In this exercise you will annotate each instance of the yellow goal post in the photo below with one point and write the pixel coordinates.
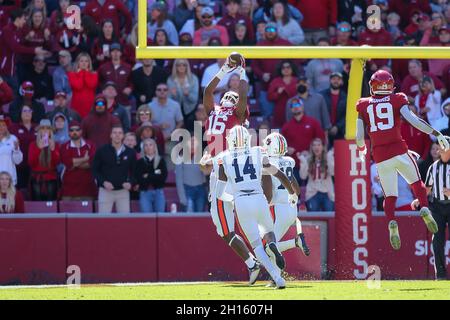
(358, 56)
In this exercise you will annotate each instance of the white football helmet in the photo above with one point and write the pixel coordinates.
(229, 99)
(275, 144)
(238, 137)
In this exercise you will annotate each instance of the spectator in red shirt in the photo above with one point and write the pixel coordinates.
(77, 155)
(6, 94)
(208, 30)
(11, 199)
(233, 17)
(413, 25)
(83, 81)
(36, 34)
(376, 37)
(281, 89)
(406, 8)
(12, 44)
(5, 11)
(114, 10)
(410, 85)
(101, 52)
(118, 72)
(58, 17)
(299, 132)
(98, 124)
(26, 97)
(26, 134)
(437, 66)
(416, 140)
(264, 69)
(43, 158)
(343, 35)
(319, 18)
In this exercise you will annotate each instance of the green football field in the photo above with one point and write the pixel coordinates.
(307, 290)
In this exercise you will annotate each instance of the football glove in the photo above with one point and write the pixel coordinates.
(443, 142)
(362, 153)
(293, 199)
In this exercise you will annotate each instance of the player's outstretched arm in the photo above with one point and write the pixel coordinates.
(243, 90)
(360, 142)
(221, 182)
(208, 94)
(421, 125)
(274, 171)
(295, 186)
(360, 129)
(266, 182)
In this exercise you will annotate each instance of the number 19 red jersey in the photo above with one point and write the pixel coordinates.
(381, 115)
(220, 120)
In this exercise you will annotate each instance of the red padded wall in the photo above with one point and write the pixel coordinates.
(32, 251)
(113, 249)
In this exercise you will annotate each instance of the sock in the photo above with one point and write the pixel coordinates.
(250, 262)
(265, 261)
(286, 245)
(420, 192)
(272, 259)
(298, 226)
(389, 207)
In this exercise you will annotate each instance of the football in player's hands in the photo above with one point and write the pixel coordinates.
(236, 59)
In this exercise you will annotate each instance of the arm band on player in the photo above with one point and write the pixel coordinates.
(415, 121)
(360, 134)
(220, 188)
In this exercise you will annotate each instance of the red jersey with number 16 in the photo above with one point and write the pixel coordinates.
(381, 115)
(220, 120)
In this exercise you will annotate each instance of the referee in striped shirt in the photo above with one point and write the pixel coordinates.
(438, 186)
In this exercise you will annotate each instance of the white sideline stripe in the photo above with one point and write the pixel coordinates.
(122, 284)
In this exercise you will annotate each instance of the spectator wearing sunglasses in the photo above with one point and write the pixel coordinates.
(98, 123)
(209, 30)
(77, 155)
(166, 112)
(343, 35)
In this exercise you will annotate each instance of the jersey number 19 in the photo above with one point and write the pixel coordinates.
(382, 118)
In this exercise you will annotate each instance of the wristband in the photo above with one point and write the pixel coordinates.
(220, 74)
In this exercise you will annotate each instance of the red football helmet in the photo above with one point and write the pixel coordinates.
(381, 83)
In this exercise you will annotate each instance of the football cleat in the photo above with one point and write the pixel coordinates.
(254, 272)
(301, 243)
(280, 283)
(429, 220)
(394, 236)
(278, 256)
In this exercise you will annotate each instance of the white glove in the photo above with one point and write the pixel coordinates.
(293, 199)
(362, 153)
(241, 72)
(205, 159)
(443, 142)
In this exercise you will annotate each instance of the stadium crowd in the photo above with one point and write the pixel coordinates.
(82, 119)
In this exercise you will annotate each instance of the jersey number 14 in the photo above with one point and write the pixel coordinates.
(382, 118)
(248, 169)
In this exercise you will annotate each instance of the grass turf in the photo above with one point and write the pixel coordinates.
(304, 290)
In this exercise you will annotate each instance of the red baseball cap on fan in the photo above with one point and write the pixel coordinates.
(26, 89)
